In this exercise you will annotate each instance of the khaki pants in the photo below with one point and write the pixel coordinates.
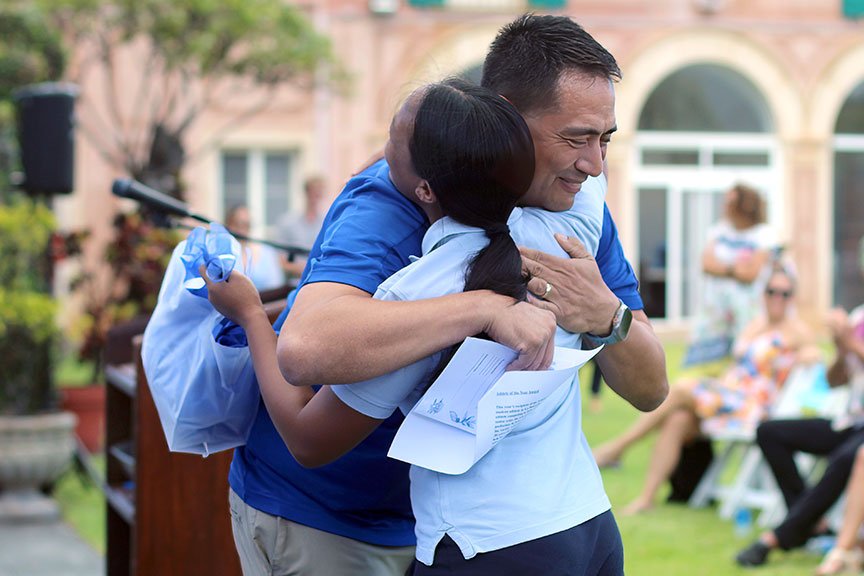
(269, 545)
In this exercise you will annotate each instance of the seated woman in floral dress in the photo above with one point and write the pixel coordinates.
(764, 354)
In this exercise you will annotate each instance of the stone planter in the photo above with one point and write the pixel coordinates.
(88, 404)
(34, 452)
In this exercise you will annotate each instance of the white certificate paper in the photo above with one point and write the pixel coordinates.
(475, 403)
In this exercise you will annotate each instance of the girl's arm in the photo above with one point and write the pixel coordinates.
(316, 428)
(712, 265)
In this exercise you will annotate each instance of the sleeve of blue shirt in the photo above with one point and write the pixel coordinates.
(368, 235)
(614, 267)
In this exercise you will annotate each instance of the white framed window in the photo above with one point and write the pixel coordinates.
(680, 198)
(261, 179)
(702, 129)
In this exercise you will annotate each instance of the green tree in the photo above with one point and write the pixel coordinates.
(189, 56)
(194, 54)
(31, 51)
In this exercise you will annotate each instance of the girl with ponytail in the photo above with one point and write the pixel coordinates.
(466, 157)
(477, 175)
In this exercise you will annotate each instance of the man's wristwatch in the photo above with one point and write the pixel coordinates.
(620, 326)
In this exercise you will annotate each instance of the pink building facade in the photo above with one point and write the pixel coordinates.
(767, 92)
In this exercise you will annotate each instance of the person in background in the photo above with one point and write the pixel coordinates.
(261, 263)
(596, 403)
(837, 439)
(764, 354)
(300, 229)
(738, 247)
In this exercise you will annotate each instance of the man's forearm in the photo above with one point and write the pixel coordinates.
(636, 368)
(337, 334)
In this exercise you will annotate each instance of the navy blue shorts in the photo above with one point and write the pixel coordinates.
(593, 548)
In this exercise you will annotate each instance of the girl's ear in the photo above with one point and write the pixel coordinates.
(424, 193)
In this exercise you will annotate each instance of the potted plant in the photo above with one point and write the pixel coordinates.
(36, 439)
(117, 307)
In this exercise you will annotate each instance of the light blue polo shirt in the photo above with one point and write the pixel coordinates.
(539, 480)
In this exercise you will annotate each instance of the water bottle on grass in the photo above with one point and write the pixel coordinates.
(743, 522)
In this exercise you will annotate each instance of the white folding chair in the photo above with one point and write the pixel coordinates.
(711, 487)
(753, 485)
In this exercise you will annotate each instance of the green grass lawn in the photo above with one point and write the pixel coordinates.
(671, 540)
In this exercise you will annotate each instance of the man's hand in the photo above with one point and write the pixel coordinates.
(578, 297)
(528, 330)
(235, 298)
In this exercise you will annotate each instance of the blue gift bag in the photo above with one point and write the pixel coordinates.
(205, 391)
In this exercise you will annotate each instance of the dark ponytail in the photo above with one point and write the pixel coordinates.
(476, 152)
(498, 267)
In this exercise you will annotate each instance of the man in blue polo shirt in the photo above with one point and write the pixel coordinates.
(353, 516)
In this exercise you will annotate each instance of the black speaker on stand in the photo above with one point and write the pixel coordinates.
(46, 137)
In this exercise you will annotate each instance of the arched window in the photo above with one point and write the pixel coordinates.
(705, 98)
(851, 117)
(703, 128)
(849, 201)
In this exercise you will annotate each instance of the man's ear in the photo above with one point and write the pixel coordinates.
(424, 194)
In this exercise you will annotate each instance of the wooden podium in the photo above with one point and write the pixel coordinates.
(167, 513)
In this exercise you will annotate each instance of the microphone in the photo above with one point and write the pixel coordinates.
(134, 190)
(161, 202)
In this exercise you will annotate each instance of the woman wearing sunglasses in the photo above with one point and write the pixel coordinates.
(764, 354)
(837, 439)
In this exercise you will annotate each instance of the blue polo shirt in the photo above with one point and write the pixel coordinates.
(368, 234)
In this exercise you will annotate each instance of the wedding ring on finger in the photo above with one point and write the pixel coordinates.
(548, 291)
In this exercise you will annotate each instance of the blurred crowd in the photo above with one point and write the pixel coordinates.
(750, 318)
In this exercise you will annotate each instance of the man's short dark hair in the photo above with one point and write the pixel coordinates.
(529, 55)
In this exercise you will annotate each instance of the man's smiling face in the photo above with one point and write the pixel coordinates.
(570, 139)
